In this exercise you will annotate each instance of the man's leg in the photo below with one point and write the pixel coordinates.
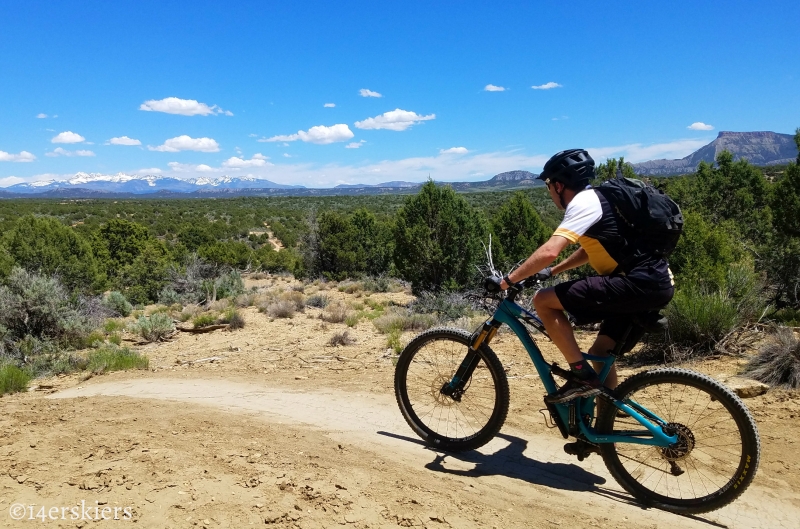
(602, 346)
(585, 382)
(550, 310)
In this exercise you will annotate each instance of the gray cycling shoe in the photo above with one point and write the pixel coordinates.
(575, 388)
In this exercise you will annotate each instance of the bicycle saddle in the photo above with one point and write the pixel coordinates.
(651, 322)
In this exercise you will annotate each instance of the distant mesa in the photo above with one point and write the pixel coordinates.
(514, 176)
(758, 148)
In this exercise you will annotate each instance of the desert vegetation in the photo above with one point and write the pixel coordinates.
(79, 274)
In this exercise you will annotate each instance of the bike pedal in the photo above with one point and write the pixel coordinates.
(581, 449)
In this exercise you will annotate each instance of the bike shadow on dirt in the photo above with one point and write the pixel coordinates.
(511, 461)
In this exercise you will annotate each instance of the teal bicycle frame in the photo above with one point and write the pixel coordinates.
(509, 312)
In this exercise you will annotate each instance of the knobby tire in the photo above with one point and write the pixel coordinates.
(430, 360)
(725, 446)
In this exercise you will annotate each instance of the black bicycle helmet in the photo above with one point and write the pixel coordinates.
(574, 168)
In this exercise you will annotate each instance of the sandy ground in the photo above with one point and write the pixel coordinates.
(285, 431)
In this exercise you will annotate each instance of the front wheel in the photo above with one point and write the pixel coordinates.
(718, 447)
(464, 420)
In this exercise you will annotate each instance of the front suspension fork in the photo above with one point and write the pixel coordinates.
(455, 387)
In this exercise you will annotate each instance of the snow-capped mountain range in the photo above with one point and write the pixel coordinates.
(144, 184)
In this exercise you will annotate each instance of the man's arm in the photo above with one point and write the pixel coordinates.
(575, 260)
(541, 258)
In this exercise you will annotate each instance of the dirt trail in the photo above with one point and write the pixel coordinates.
(528, 470)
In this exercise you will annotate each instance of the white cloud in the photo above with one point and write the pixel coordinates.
(394, 120)
(186, 143)
(151, 170)
(257, 160)
(41, 116)
(699, 125)
(123, 140)
(189, 168)
(355, 144)
(364, 92)
(23, 156)
(546, 86)
(493, 88)
(287, 155)
(329, 105)
(320, 135)
(58, 151)
(183, 107)
(68, 137)
(454, 150)
(637, 152)
(10, 181)
(253, 135)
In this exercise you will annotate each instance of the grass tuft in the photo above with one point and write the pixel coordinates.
(113, 358)
(13, 379)
(341, 338)
(778, 362)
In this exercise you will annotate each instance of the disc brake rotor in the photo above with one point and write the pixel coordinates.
(436, 391)
(685, 443)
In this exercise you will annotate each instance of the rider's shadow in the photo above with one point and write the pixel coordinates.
(510, 461)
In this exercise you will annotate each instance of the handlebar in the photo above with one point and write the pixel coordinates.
(517, 288)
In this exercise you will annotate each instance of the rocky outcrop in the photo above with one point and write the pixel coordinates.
(758, 148)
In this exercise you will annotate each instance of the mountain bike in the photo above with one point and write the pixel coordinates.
(673, 438)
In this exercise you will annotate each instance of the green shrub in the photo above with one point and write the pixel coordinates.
(319, 301)
(44, 358)
(229, 284)
(39, 307)
(49, 247)
(295, 298)
(335, 313)
(13, 379)
(376, 284)
(233, 318)
(112, 326)
(778, 361)
(116, 339)
(350, 287)
(447, 306)
(95, 339)
(203, 320)
(402, 320)
(114, 358)
(115, 301)
(518, 231)
(438, 239)
(279, 309)
(352, 319)
(700, 317)
(788, 316)
(393, 341)
(155, 327)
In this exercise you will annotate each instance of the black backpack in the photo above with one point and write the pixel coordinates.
(650, 220)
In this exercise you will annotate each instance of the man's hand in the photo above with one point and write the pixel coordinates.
(547, 273)
(492, 284)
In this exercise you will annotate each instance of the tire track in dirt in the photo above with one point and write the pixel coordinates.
(507, 466)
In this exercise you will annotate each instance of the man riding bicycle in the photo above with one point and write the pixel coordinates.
(625, 287)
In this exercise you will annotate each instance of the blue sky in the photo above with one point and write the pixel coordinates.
(202, 89)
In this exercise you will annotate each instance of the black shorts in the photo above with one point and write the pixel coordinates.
(612, 300)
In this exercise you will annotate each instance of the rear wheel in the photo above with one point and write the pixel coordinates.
(718, 447)
(465, 420)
